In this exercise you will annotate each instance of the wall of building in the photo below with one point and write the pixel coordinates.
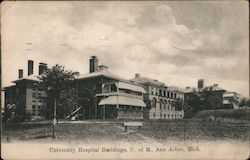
(29, 108)
(164, 111)
(94, 85)
(129, 114)
(160, 102)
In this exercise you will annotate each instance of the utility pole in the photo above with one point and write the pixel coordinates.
(54, 122)
(54, 115)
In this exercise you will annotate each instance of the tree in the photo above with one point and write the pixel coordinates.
(178, 104)
(203, 99)
(193, 101)
(56, 81)
(67, 102)
(86, 99)
(244, 102)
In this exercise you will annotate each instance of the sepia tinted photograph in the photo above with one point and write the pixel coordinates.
(125, 80)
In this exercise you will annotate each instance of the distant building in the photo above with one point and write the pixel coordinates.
(216, 97)
(24, 94)
(160, 99)
(231, 100)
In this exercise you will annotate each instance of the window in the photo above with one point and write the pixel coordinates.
(33, 110)
(160, 92)
(160, 104)
(154, 102)
(168, 94)
(171, 94)
(154, 115)
(164, 116)
(160, 115)
(113, 88)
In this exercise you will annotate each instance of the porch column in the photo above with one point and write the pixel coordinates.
(95, 107)
(104, 111)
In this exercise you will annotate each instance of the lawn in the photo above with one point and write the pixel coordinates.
(113, 132)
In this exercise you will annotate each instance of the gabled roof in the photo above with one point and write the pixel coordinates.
(104, 73)
(13, 85)
(144, 80)
(216, 88)
(231, 94)
(174, 88)
(213, 88)
(188, 90)
(29, 78)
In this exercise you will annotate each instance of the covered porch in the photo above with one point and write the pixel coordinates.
(121, 107)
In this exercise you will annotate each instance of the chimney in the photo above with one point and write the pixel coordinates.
(20, 73)
(200, 83)
(137, 75)
(102, 68)
(215, 85)
(30, 67)
(93, 64)
(42, 68)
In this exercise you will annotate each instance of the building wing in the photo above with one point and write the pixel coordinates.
(122, 100)
(131, 87)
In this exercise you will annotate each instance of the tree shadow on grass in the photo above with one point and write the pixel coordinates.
(42, 137)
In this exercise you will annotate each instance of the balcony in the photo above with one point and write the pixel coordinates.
(119, 94)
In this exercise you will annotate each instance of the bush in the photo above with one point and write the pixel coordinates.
(22, 117)
(222, 114)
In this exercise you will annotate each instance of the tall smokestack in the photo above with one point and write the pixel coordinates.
(200, 83)
(42, 68)
(93, 64)
(20, 73)
(30, 67)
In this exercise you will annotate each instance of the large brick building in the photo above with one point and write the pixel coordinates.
(24, 95)
(114, 97)
(160, 99)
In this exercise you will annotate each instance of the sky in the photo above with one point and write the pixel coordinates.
(175, 42)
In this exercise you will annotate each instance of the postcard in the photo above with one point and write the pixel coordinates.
(125, 80)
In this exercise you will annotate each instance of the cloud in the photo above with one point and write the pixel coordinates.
(168, 41)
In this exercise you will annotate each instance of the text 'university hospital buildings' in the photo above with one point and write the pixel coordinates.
(114, 97)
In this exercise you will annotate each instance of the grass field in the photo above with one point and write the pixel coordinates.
(110, 132)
